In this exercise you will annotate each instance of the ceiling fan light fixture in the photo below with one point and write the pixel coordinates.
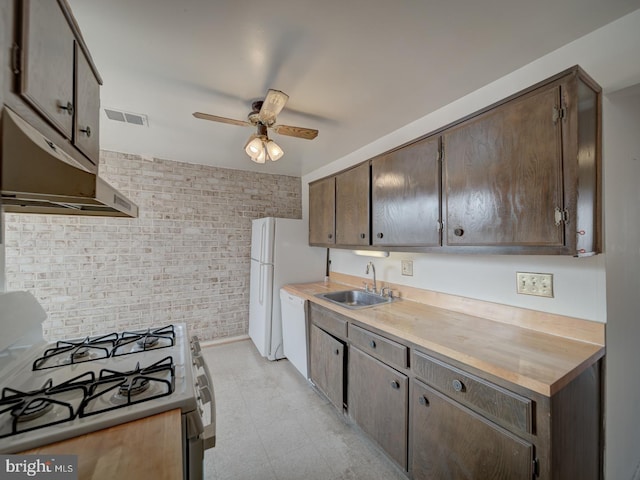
(274, 150)
(254, 146)
(261, 157)
(263, 116)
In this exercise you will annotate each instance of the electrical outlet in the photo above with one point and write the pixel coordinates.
(407, 268)
(539, 284)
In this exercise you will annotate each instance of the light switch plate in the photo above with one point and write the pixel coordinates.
(407, 268)
(539, 284)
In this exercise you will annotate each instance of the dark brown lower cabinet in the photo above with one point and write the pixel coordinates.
(378, 401)
(327, 365)
(450, 442)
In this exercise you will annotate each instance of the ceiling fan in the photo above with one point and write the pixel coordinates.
(263, 116)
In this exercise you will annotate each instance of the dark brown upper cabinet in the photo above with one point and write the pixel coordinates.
(322, 212)
(522, 176)
(86, 134)
(513, 175)
(352, 206)
(503, 175)
(405, 196)
(57, 77)
(47, 80)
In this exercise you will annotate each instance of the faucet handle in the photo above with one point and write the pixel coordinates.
(389, 292)
(366, 287)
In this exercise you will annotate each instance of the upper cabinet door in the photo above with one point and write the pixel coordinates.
(86, 132)
(47, 82)
(503, 175)
(322, 208)
(405, 194)
(352, 206)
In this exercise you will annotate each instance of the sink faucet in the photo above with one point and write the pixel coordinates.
(373, 267)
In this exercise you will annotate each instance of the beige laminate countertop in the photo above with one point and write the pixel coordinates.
(146, 448)
(535, 360)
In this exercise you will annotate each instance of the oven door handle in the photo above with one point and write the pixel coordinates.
(206, 391)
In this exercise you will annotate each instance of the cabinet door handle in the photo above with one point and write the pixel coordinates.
(330, 236)
(423, 401)
(86, 131)
(372, 344)
(363, 235)
(337, 351)
(395, 385)
(380, 235)
(68, 107)
(458, 232)
(458, 386)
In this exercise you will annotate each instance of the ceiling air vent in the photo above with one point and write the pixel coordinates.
(127, 117)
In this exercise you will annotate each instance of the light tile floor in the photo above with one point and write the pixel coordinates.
(272, 425)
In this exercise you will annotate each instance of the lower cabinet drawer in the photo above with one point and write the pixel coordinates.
(388, 351)
(498, 403)
(329, 321)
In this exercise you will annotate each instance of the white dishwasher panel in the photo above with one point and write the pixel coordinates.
(294, 330)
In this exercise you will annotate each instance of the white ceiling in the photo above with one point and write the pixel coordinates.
(354, 69)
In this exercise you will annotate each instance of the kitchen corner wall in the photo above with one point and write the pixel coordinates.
(184, 259)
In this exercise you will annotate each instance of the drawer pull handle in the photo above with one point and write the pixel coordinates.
(372, 344)
(423, 401)
(458, 386)
(68, 107)
(395, 385)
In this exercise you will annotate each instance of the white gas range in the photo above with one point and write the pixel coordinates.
(51, 392)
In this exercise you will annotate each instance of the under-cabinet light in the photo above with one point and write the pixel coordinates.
(371, 253)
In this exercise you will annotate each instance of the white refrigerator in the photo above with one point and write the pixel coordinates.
(279, 255)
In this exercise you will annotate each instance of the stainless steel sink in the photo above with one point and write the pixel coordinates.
(355, 298)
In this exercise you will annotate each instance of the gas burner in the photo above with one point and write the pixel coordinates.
(32, 410)
(79, 354)
(148, 341)
(52, 404)
(133, 387)
(70, 352)
(115, 389)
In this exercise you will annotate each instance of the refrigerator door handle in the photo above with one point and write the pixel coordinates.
(261, 285)
(263, 234)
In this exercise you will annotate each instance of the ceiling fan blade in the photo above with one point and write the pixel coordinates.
(215, 118)
(306, 133)
(272, 105)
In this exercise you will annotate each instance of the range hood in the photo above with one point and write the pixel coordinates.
(37, 176)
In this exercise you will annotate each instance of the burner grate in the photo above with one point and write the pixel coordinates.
(115, 389)
(152, 339)
(105, 346)
(28, 410)
(69, 352)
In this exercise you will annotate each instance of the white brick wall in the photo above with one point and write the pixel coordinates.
(184, 259)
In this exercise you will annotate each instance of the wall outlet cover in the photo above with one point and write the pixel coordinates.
(538, 284)
(407, 268)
